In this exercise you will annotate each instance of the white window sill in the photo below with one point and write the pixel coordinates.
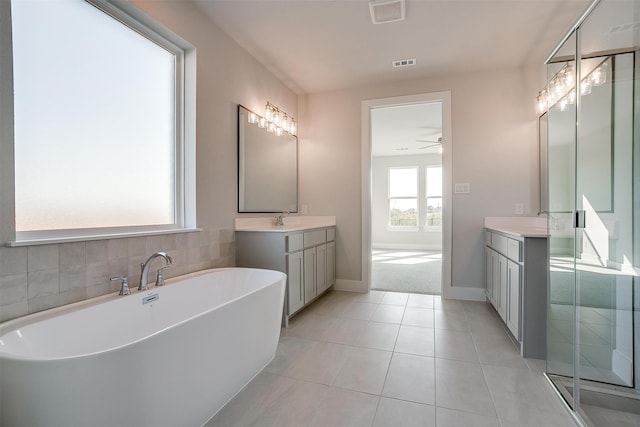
(85, 237)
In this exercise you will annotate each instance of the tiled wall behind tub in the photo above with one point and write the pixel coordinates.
(35, 278)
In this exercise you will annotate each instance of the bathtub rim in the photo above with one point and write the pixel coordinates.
(15, 324)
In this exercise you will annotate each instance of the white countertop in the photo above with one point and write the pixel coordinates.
(521, 226)
(291, 223)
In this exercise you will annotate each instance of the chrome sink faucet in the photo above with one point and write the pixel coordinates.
(280, 218)
(145, 268)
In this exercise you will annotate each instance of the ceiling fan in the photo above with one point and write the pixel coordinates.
(433, 143)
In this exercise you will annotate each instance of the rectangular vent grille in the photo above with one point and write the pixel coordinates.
(384, 11)
(401, 63)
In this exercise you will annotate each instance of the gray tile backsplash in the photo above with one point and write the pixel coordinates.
(44, 257)
(13, 261)
(40, 277)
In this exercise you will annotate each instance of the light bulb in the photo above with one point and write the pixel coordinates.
(268, 112)
(253, 117)
(571, 97)
(562, 105)
(279, 131)
(541, 102)
(603, 69)
(285, 123)
(262, 123)
(271, 127)
(585, 87)
(293, 127)
(277, 119)
(596, 76)
(568, 77)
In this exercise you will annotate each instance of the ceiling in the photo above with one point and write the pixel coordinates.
(406, 129)
(325, 45)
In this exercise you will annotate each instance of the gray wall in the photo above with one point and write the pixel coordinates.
(494, 143)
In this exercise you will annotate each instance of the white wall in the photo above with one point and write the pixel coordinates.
(494, 143)
(381, 235)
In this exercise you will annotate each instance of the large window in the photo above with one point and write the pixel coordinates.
(98, 113)
(403, 197)
(434, 196)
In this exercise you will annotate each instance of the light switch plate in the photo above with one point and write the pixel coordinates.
(462, 188)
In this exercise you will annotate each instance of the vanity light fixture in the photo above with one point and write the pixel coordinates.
(274, 120)
(253, 117)
(560, 90)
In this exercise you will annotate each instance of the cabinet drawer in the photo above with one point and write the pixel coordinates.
(313, 238)
(499, 243)
(331, 234)
(487, 238)
(514, 250)
(295, 242)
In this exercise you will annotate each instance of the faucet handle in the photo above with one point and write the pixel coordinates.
(160, 277)
(124, 288)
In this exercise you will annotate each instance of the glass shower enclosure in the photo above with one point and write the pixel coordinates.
(593, 195)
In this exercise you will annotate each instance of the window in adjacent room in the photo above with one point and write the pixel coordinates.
(403, 197)
(434, 196)
(98, 106)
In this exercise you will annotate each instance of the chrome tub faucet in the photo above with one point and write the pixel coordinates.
(145, 269)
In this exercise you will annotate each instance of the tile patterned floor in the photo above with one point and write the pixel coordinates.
(391, 359)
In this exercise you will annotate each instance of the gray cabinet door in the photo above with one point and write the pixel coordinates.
(321, 269)
(295, 282)
(513, 303)
(488, 260)
(309, 267)
(502, 286)
(495, 279)
(331, 264)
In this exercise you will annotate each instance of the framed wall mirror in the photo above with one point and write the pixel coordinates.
(267, 168)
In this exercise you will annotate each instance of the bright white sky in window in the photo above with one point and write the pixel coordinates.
(403, 182)
(434, 181)
(94, 120)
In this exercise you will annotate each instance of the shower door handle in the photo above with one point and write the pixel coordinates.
(579, 220)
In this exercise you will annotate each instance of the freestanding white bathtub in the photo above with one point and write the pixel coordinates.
(114, 361)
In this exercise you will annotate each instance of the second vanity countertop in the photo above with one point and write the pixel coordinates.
(291, 223)
(521, 226)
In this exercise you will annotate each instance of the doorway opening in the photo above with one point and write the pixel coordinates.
(406, 165)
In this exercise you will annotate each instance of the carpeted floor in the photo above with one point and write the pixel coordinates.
(406, 271)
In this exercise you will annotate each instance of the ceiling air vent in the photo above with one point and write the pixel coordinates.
(383, 11)
(400, 63)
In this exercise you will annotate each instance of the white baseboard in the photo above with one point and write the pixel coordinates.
(350, 285)
(464, 293)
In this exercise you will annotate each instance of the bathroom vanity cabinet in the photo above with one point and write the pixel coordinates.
(306, 256)
(516, 285)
